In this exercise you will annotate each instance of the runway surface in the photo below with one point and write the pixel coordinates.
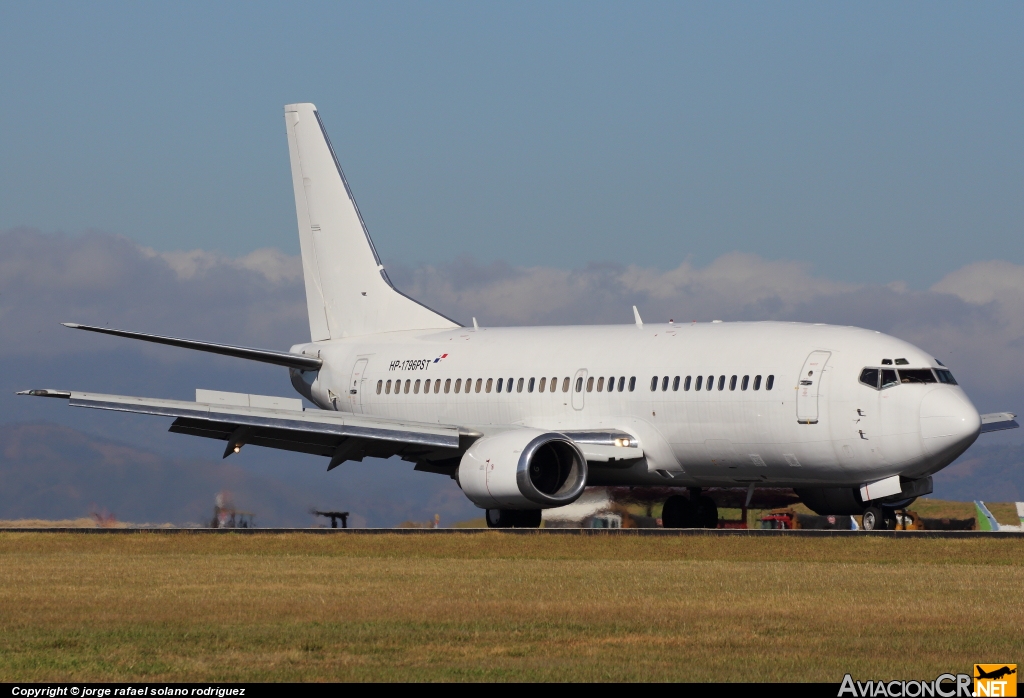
(642, 532)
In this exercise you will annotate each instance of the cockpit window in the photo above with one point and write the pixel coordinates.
(916, 375)
(945, 376)
(869, 377)
(889, 378)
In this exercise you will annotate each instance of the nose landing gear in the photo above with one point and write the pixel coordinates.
(879, 519)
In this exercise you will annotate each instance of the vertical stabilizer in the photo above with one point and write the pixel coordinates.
(348, 292)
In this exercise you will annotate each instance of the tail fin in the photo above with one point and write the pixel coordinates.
(348, 293)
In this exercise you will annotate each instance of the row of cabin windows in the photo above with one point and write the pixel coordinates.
(505, 385)
(598, 384)
(709, 384)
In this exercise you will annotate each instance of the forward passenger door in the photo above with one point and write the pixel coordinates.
(808, 387)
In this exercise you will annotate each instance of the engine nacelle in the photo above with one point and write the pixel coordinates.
(523, 469)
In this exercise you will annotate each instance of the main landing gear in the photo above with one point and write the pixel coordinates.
(879, 519)
(697, 511)
(513, 518)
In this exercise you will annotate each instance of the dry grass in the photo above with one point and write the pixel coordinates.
(491, 606)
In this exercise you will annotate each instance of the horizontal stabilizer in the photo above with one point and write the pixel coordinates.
(997, 421)
(269, 356)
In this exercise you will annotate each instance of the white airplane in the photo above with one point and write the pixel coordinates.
(523, 418)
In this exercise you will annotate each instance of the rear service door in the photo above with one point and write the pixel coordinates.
(355, 386)
(807, 388)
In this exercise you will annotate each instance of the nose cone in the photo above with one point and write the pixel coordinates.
(949, 422)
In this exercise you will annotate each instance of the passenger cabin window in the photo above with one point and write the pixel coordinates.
(554, 384)
(479, 383)
(686, 383)
(579, 384)
(721, 382)
(654, 384)
(458, 384)
(380, 385)
(700, 379)
(529, 388)
(600, 384)
(745, 383)
(945, 376)
(519, 386)
(447, 385)
(732, 383)
(757, 382)
(437, 386)
(540, 387)
(632, 383)
(565, 384)
(869, 377)
(387, 388)
(490, 384)
(675, 384)
(916, 375)
(664, 383)
(711, 383)
(769, 383)
(590, 384)
(622, 383)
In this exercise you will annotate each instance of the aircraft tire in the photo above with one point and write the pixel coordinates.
(500, 518)
(677, 512)
(706, 513)
(874, 519)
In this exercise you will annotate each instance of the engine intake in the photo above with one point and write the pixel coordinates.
(523, 469)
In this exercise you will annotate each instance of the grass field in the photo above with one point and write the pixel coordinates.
(493, 606)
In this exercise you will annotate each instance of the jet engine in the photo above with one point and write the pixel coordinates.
(523, 469)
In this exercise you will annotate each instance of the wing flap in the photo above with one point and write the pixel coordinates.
(287, 425)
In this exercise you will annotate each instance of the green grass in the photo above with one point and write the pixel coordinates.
(492, 606)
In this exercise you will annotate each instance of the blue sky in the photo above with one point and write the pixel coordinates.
(877, 142)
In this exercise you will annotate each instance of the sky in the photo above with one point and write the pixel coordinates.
(519, 163)
(877, 142)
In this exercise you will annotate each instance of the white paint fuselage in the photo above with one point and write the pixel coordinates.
(689, 437)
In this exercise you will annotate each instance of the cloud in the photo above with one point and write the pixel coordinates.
(102, 279)
(973, 319)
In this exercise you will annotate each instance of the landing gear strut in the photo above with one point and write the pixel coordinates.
(513, 518)
(697, 511)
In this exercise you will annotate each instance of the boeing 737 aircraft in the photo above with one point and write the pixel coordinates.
(523, 418)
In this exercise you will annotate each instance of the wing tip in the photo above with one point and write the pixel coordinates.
(45, 393)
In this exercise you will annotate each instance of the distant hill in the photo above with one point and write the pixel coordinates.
(49, 471)
(989, 473)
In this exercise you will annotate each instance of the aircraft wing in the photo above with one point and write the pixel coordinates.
(282, 423)
(997, 421)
